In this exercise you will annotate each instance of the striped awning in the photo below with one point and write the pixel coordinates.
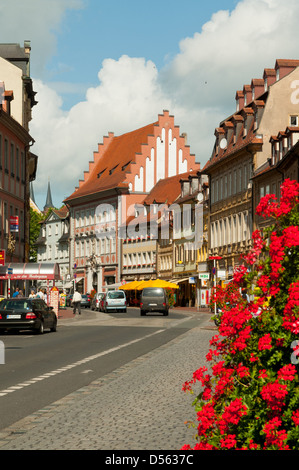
(30, 271)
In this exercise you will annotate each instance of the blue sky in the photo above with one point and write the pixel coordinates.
(100, 66)
(110, 29)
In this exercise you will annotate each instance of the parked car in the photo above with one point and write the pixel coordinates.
(95, 303)
(154, 299)
(115, 300)
(25, 313)
(85, 302)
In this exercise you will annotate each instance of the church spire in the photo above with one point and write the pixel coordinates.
(49, 203)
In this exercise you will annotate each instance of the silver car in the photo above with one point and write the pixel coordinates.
(115, 300)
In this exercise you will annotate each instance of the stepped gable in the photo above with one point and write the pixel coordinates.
(135, 161)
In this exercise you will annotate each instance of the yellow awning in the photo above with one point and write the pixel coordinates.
(157, 283)
(130, 285)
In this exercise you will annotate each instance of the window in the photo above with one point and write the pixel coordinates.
(17, 163)
(6, 155)
(12, 159)
(23, 166)
(235, 182)
(245, 181)
(293, 121)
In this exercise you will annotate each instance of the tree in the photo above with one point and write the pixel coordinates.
(34, 230)
(249, 397)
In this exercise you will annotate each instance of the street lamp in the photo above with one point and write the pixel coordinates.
(214, 259)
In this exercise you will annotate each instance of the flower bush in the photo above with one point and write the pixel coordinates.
(249, 395)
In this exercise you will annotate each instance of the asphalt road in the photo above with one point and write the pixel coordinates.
(41, 369)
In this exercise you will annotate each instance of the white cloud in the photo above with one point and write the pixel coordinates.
(37, 21)
(198, 87)
(127, 97)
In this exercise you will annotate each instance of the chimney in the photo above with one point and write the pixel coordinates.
(8, 97)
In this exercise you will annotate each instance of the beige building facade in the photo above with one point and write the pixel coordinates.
(242, 148)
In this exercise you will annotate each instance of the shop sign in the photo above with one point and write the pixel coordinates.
(221, 274)
(204, 276)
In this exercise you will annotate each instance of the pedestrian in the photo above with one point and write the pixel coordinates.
(32, 294)
(20, 294)
(76, 301)
(40, 294)
(16, 292)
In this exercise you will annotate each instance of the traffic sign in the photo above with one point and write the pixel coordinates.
(14, 223)
(9, 271)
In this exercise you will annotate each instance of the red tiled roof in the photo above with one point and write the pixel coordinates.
(287, 63)
(62, 212)
(121, 152)
(231, 148)
(167, 190)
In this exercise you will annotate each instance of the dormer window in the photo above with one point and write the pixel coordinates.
(280, 149)
(266, 83)
(273, 154)
(277, 74)
(112, 170)
(125, 166)
(100, 173)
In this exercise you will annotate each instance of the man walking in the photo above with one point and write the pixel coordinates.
(77, 302)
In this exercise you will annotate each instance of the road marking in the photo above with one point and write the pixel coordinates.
(75, 364)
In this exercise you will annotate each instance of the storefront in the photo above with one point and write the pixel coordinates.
(26, 275)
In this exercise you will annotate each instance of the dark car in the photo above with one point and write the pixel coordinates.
(25, 313)
(154, 299)
(69, 299)
(85, 301)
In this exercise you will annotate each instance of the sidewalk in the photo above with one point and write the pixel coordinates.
(139, 406)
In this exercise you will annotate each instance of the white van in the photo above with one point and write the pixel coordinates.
(115, 300)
